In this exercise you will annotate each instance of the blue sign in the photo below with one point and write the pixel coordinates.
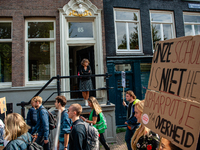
(194, 6)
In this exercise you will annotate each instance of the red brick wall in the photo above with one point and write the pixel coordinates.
(19, 10)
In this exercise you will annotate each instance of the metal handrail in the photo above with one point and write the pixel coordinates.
(23, 104)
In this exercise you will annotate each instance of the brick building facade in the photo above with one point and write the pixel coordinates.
(41, 28)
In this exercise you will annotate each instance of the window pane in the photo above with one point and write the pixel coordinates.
(133, 35)
(123, 67)
(167, 31)
(5, 62)
(5, 30)
(190, 18)
(121, 35)
(122, 15)
(40, 30)
(145, 72)
(156, 33)
(188, 30)
(161, 17)
(39, 60)
(197, 29)
(80, 29)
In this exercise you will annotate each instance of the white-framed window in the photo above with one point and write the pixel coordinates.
(162, 26)
(191, 23)
(40, 38)
(128, 35)
(5, 53)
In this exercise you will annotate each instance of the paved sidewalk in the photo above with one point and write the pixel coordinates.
(120, 144)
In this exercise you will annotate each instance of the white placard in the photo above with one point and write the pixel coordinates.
(123, 79)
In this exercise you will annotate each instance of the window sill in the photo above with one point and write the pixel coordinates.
(39, 83)
(5, 85)
(24, 88)
(129, 53)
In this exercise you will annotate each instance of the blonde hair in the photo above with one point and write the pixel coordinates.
(77, 108)
(95, 104)
(15, 126)
(142, 130)
(37, 99)
(84, 60)
(129, 92)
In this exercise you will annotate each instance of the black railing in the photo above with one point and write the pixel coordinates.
(23, 104)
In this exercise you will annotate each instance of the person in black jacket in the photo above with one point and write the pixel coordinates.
(85, 82)
(78, 135)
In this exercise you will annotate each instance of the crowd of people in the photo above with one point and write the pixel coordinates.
(73, 133)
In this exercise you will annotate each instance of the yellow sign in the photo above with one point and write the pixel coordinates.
(3, 105)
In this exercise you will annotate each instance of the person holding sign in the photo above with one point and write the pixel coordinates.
(131, 122)
(143, 138)
(85, 82)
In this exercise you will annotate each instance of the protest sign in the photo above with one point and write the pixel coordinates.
(3, 105)
(123, 74)
(173, 118)
(176, 67)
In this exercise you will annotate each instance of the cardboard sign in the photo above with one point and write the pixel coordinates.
(176, 67)
(3, 105)
(123, 79)
(173, 118)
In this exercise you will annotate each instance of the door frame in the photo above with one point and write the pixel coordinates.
(96, 41)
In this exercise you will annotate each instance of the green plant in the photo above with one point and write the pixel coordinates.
(118, 130)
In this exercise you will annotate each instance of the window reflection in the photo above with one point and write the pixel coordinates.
(123, 67)
(41, 52)
(190, 18)
(40, 30)
(123, 15)
(121, 35)
(39, 60)
(161, 17)
(191, 24)
(161, 26)
(156, 33)
(197, 29)
(133, 36)
(5, 62)
(188, 30)
(80, 29)
(167, 31)
(5, 30)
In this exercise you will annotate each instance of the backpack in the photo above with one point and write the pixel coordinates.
(92, 136)
(30, 145)
(52, 120)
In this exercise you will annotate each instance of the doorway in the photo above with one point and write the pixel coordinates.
(76, 55)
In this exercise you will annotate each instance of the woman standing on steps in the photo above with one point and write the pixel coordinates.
(85, 82)
(97, 119)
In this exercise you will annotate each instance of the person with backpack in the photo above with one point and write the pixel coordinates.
(66, 123)
(78, 135)
(32, 117)
(42, 126)
(96, 118)
(131, 122)
(15, 128)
